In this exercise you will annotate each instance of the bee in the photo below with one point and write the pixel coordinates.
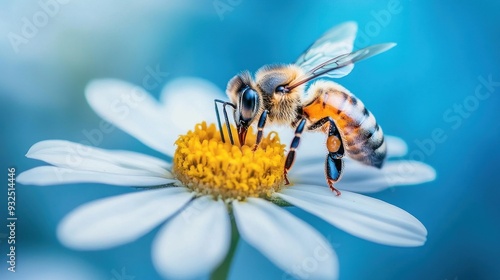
(278, 95)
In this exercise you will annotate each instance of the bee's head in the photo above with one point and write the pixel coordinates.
(241, 91)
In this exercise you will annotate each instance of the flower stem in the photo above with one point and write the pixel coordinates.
(222, 272)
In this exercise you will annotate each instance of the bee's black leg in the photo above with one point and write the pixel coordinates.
(290, 157)
(260, 128)
(334, 163)
(227, 120)
(228, 127)
(333, 170)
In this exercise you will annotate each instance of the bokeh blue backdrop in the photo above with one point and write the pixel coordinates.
(445, 49)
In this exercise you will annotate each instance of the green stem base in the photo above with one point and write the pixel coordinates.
(222, 272)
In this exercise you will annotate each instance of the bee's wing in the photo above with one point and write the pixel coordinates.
(335, 67)
(335, 42)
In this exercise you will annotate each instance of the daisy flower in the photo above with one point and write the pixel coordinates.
(211, 192)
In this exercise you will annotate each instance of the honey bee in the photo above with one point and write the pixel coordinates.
(278, 95)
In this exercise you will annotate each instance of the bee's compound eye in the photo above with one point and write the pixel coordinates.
(282, 89)
(248, 104)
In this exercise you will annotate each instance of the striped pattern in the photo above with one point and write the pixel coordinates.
(362, 137)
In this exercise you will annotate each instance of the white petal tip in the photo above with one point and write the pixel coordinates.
(428, 174)
(22, 179)
(34, 149)
(362, 216)
(396, 147)
(351, 24)
(30, 177)
(121, 219)
(410, 173)
(74, 240)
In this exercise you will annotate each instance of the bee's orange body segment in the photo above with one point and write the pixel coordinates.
(362, 136)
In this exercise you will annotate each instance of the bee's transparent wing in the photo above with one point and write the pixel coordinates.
(333, 66)
(335, 42)
(337, 64)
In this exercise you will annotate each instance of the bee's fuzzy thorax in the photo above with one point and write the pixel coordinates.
(288, 73)
(282, 107)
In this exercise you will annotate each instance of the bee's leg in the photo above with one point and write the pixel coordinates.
(228, 127)
(333, 170)
(227, 120)
(290, 157)
(260, 128)
(333, 163)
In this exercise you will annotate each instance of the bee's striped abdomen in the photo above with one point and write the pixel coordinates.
(362, 137)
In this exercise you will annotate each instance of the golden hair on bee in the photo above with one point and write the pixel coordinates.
(282, 107)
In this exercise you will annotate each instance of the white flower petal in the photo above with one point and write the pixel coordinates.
(134, 111)
(81, 157)
(51, 175)
(288, 242)
(362, 178)
(396, 147)
(313, 172)
(312, 144)
(393, 173)
(113, 221)
(195, 242)
(188, 101)
(360, 215)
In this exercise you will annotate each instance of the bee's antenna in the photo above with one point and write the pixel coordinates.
(226, 118)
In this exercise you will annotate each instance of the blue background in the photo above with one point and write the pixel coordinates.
(444, 47)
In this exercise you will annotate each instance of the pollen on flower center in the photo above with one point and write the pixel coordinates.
(206, 165)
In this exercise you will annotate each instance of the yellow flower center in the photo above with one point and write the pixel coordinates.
(206, 165)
